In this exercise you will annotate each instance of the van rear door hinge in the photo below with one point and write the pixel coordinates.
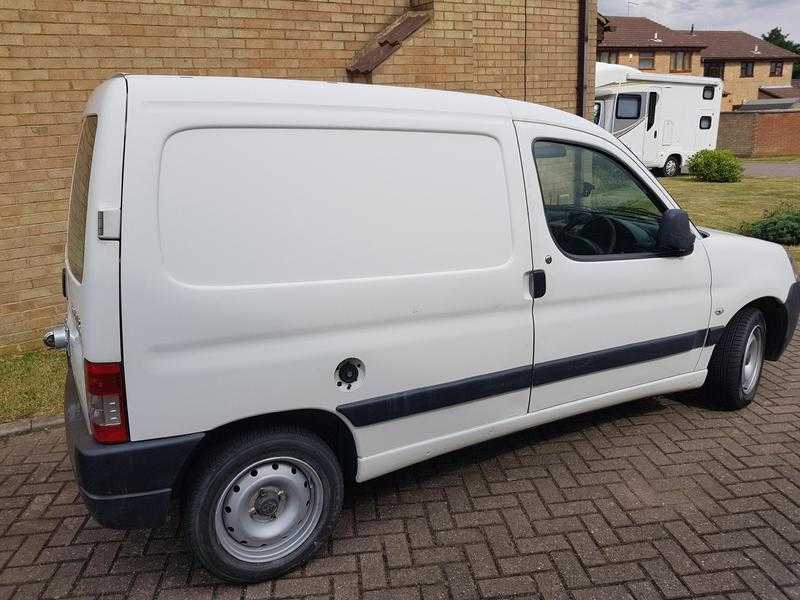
(108, 224)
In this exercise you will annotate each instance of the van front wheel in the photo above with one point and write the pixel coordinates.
(735, 367)
(263, 503)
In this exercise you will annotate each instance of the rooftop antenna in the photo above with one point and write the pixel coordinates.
(629, 6)
(692, 31)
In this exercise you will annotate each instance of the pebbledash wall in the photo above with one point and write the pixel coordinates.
(760, 133)
(54, 52)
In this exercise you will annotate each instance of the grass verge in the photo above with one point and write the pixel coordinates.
(727, 205)
(32, 384)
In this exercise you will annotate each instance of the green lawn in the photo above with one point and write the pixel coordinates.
(32, 384)
(727, 205)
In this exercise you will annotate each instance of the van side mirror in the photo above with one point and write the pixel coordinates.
(675, 237)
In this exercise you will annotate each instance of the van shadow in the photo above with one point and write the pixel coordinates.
(544, 440)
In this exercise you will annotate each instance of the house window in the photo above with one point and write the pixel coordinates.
(647, 59)
(714, 69)
(680, 61)
(609, 56)
(776, 68)
(747, 69)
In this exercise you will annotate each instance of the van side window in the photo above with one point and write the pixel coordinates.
(705, 122)
(594, 206)
(629, 106)
(651, 109)
(79, 197)
(708, 92)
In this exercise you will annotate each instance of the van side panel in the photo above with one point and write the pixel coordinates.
(274, 239)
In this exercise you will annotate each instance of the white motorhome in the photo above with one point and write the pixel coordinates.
(663, 118)
(275, 285)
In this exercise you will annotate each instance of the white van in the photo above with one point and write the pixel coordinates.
(663, 118)
(274, 286)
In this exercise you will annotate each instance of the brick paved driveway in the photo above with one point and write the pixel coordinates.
(657, 499)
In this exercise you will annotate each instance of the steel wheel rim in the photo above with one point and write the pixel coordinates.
(269, 509)
(751, 362)
(671, 167)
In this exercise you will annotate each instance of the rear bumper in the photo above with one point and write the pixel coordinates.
(124, 486)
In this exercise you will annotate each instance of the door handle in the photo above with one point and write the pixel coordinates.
(655, 133)
(538, 283)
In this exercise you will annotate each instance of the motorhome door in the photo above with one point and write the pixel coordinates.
(651, 147)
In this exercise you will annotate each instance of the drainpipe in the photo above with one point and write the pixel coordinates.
(583, 55)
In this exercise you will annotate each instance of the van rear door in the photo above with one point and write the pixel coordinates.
(91, 263)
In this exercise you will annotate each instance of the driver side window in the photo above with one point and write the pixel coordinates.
(594, 205)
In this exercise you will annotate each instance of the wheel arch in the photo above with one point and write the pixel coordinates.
(327, 425)
(777, 320)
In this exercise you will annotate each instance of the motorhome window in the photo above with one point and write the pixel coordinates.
(609, 56)
(594, 205)
(79, 197)
(680, 61)
(647, 59)
(651, 109)
(705, 122)
(708, 92)
(746, 69)
(776, 69)
(629, 106)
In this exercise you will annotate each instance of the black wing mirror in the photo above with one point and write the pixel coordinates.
(675, 237)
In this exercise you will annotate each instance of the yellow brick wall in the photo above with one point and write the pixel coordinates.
(523, 49)
(630, 58)
(54, 52)
(741, 89)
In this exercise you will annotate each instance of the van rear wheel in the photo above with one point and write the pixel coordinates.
(734, 371)
(672, 167)
(261, 504)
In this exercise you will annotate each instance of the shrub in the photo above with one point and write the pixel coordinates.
(715, 165)
(781, 225)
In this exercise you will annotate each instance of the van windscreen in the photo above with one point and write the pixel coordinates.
(79, 196)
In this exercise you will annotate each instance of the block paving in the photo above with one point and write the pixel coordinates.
(660, 498)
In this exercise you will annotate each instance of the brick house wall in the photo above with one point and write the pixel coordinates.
(760, 133)
(481, 47)
(740, 89)
(54, 52)
(630, 58)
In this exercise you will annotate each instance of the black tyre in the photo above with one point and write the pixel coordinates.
(735, 367)
(262, 503)
(672, 167)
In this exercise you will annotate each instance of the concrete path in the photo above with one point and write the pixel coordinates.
(771, 169)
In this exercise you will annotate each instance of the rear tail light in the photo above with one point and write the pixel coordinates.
(105, 395)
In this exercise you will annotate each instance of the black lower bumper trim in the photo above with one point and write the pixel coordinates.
(792, 305)
(130, 511)
(125, 485)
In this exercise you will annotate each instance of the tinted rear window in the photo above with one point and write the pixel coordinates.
(76, 231)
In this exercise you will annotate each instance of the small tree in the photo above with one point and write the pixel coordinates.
(715, 165)
(777, 37)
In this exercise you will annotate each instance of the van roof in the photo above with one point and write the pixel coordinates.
(187, 89)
